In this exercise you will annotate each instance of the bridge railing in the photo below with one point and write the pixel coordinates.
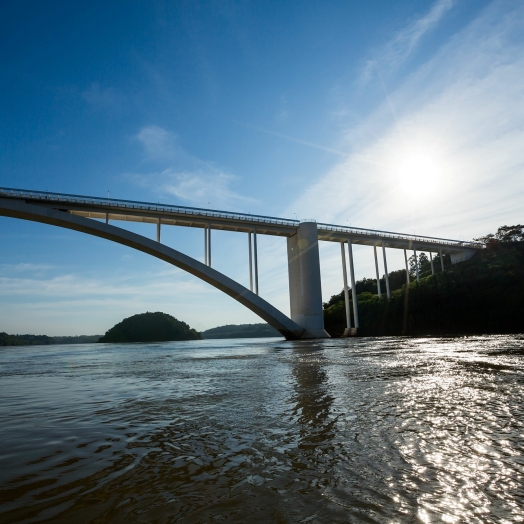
(397, 236)
(118, 204)
(143, 206)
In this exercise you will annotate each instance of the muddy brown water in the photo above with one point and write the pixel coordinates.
(360, 430)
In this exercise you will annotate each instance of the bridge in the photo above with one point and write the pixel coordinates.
(96, 216)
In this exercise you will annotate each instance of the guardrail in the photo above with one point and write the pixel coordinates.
(397, 236)
(213, 213)
(143, 206)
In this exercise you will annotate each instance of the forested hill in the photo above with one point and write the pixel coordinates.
(150, 327)
(482, 295)
(241, 331)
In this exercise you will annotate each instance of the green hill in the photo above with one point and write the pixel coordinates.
(150, 327)
(241, 331)
(482, 295)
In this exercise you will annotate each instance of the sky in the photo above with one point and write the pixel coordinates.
(401, 116)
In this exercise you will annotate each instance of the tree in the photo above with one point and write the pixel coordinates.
(503, 234)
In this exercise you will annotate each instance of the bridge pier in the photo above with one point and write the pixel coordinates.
(407, 268)
(346, 292)
(379, 291)
(305, 290)
(461, 256)
(388, 289)
(353, 285)
(416, 263)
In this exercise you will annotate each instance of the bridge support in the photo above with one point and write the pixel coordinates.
(305, 290)
(347, 331)
(461, 256)
(388, 290)
(353, 285)
(407, 268)
(379, 291)
(416, 263)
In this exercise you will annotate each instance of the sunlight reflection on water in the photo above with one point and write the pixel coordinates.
(361, 430)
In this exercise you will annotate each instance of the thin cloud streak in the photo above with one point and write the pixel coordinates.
(296, 140)
(397, 51)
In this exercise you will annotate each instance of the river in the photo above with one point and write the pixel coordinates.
(264, 430)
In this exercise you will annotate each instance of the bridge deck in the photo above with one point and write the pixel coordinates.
(147, 212)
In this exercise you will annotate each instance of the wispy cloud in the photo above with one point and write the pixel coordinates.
(391, 56)
(188, 178)
(159, 143)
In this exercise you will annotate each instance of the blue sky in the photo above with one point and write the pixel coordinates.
(403, 116)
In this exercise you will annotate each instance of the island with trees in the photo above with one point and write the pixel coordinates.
(150, 327)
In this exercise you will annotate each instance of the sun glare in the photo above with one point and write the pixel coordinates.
(418, 173)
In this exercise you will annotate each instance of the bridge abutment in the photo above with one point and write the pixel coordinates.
(305, 289)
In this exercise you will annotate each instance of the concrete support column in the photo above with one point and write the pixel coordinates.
(209, 245)
(441, 260)
(255, 253)
(377, 272)
(353, 288)
(416, 263)
(407, 268)
(107, 218)
(250, 262)
(205, 246)
(305, 290)
(431, 260)
(461, 256)
(388, 292)
(158, 231)
(346, 292)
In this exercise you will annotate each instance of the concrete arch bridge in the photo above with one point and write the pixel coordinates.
(96, 216)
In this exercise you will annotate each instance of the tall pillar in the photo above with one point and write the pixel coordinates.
(431, 260)
(416, 263)
(346, 292)
(388, 292)
(407, 268)
(250, 262)
(305, 290)
(255, 252)
(353, 287)
(158, 231)
(209, 245)
(205, 246)
(441, 260)
(376, 270)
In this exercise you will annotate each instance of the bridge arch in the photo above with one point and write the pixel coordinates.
(47, 215)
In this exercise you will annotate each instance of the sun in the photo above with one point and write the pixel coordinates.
(418, 172)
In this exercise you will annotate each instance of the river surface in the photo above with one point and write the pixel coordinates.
(263, 430)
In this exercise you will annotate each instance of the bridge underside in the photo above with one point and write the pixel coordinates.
(48, 215)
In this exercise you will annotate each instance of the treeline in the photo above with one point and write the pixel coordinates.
(480, 296)
(39, 340)
(24, 340)
(241, 331)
